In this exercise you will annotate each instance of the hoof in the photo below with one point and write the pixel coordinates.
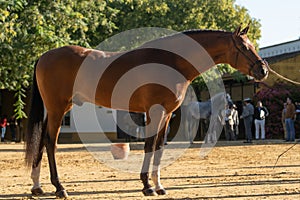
(161, 192)
(37, 191)
(61, 194)
(149, 192)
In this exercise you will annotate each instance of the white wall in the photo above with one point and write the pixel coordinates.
(91, 119)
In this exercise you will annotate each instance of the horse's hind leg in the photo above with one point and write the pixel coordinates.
(36, 190)
(54, 121)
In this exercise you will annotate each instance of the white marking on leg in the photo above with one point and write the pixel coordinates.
(156, 178)
(35, 176)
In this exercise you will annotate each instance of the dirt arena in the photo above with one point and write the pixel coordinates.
(232, 170)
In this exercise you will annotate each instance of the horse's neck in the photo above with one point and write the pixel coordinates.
(213, 48)
(192, 58)
(215, 43)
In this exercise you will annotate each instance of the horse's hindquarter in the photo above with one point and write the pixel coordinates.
(56, 72)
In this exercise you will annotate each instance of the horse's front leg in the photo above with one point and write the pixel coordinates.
(155, 175)
(147, 190)
(159, 147)
(154, 119)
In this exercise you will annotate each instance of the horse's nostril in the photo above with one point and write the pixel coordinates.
(264, 71)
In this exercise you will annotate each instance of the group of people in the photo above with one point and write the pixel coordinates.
(231, 120)
(258, 114)
(12, 123)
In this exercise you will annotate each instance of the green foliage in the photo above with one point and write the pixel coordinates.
(273, 98)
(20, 104)
(29, 28)
(182, 15)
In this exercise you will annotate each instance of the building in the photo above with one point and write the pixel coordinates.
(280, 49)
(283, 58)
(90, 123)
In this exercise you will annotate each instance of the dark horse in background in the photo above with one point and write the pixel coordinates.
(56, 73)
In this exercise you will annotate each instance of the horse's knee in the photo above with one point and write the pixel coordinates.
(149, 144)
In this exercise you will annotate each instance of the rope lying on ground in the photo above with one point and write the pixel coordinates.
(285, 152)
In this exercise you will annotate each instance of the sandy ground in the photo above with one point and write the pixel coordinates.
(232, 170)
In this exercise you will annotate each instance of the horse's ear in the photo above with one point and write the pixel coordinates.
(245, 30)
(238, 30)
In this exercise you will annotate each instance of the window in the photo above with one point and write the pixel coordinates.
(66, 120)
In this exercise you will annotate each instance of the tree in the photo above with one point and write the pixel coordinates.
(182, 15)
(29, 28)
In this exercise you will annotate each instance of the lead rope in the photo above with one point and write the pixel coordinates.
(284, 153)
(280, 76)
(294, 82)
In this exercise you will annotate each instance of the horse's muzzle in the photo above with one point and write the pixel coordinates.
(262, 70)
(265, 69)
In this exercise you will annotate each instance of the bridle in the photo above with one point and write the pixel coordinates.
(258, 62)
(245, 55)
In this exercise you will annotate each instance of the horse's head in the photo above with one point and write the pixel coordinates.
(247, 59)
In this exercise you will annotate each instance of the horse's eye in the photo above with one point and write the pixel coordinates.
(246, 48)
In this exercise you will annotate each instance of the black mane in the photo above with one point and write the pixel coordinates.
(186, 32)
(193, 31)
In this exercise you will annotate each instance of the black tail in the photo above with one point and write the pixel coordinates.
(35, 129)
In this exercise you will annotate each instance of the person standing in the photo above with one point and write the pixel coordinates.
(236, 121)
(13, 127)
(289, 120)
(283, 120)
(297, 105)
(247, 115)
(227, 122)
(260, 114)
(3, 124)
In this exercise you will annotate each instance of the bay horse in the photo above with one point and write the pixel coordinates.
(58, 83)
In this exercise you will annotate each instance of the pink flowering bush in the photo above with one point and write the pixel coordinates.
(273, 98)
